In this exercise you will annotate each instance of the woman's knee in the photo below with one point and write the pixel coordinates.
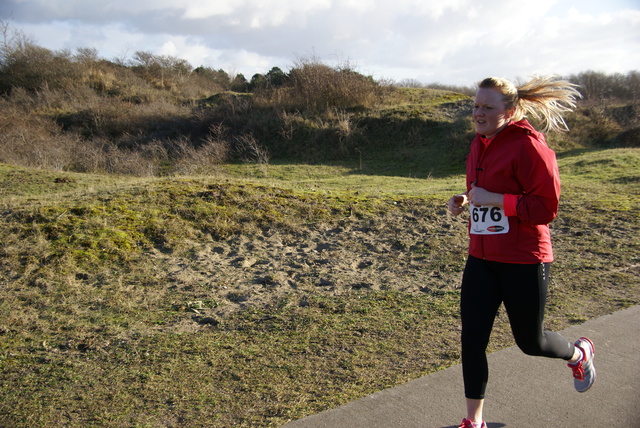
(530, 347)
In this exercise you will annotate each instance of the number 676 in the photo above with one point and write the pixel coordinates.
(480, 214)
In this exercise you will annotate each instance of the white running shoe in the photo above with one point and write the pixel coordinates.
(584, 372)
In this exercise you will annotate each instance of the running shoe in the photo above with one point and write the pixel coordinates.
(584, 372)
(466, 423)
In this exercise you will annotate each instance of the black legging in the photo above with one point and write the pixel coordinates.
(523, 290)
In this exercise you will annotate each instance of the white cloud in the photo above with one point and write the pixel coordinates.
(190, 50)
(205, 9)
(257, 13)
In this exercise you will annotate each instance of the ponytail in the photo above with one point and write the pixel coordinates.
(544, 97)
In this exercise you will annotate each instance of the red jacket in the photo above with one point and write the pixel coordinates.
(517, 163)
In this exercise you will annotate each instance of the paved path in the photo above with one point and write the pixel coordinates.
(523, 391)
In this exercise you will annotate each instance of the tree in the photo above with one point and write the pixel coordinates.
(219, 77)
(239, 83)
(258, 81)
(12, 41)
(162, 70)
(276, 77)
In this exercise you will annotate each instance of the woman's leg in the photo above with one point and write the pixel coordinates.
(524, 295)
(474, 410)
(479, 302)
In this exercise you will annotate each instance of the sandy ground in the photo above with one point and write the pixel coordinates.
(394, 252)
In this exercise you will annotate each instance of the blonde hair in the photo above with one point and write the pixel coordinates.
(544, 97)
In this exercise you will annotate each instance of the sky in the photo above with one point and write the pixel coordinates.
(452, 42)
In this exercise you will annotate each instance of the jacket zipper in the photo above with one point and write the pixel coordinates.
(479, 169)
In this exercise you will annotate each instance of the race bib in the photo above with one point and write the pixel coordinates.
(488, 220)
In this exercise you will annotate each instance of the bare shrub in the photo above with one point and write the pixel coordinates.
(129, 163)
(90, 157)
(346, 128)
(334, 134)
(27, 65)
(101, 155)
(198, 87)
(162, 71)
(183, 158)
(203, 159)
(596, 85)
(251, 151)
(229, 103)
(118, 120)
(345, 124)
(315, 86)
(102, 81)
(56, 102)
(33, 141)
(591, 124)
(288, 123)
(161, 157)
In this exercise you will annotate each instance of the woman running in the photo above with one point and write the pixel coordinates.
(513, 191)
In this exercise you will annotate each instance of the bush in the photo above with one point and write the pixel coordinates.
(598, 86)
(317, 87)
(34, 68)
(33, 141)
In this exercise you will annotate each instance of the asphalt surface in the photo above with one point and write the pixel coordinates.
(523, 391)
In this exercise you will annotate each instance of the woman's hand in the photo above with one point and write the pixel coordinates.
(457, 202)
(476, 196)
(479, 197)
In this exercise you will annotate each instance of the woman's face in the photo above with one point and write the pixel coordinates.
(489, 112)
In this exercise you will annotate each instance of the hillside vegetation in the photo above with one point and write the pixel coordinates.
(154, 115)
(183, 248)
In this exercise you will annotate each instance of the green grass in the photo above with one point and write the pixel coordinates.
(101, 326)
(260, 368)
